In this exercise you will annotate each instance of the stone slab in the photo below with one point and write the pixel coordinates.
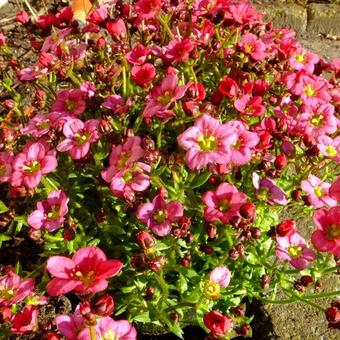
(323, 18)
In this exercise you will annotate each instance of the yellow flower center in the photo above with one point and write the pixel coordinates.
(86, 279)
(32, 167)
(224, 205)
(207, 143)
(81, 138)
(333, 232)
(309, 91)
(294, 251)
(331, 151)
(165, 98)
(318, 191)
(6, 294)
(110, 335)
(54, 213)
(70, 105)
(2, 169)
(300, 58)
(160, 216)
(212, 290)
(317, 120)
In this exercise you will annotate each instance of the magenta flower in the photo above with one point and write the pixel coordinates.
(2, 39)
(107, 328)
(252, 46)
(87, 272)
(317, 191)
(147, 9)
(50, 213)
(223, 203)
(79, 136)
(116, 104)
(73, 327)
(6, 161)
(241, 150)
(327, 237)
(207, 142)
(329, 147)
(162, 97)
(31, 73)
(37, 126)
(334, 190)
(143, 75)
(32, 163)
(13, 290)
(159, 215)
(267, 190)
(69, 102)
(293, 248)
(250, 106)
(220, 275)
(25, 321)
(138, 55)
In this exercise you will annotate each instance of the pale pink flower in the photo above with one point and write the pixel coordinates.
(123, 156)
(13, 290)
(268, 190)
(159, 215)
(207, 142)
(253, 46)
(317, 191)
(79, 136)
(329, 147)
(37, 126)
(293, 248)
(162, 97)
(223, 203)
(87, 272)
(107, 328)
(6, 161)
(220, 275)
(50, 213)
(69, 102)
(241, 150)
(32, 163)
(327, 237)
(31, 73)
(88, 89)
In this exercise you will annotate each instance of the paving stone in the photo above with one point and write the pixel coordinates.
(323, 18)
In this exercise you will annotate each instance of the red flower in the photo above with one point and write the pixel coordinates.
(87, 272)
(143, 75)
(22, 17)
(25, 321)
(217, 322)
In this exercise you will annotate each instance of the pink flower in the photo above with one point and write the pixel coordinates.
(250, 106)
(72, 327)
(317, 191)
(69, 102)
(12, 290)
(116, 104)
(107, 328)
(123, 156)
(317, 120)
(293, 248)
(143, 75)
(147, 9)
(6, 161)
(117, 29)
(88, 89)
(31, 73)
(249, 44)
(228, 87)
(207, 142)
(98, 15)
(241, 150)
(37, 126)
(303, 60)
(267, 190)
(138, 55)
(329, 147)
(32, 163)
(223, 203)
(220, 275)
(22, 17)
(2, 39)
(124, 183)
(87, 272)
(25, 321)
(79, 137)
(179, 50)
(50, 213)
(334, 190)
(162, 97)
(327, 237)
(159, 215)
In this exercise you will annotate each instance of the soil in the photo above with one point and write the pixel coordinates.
(295, 321)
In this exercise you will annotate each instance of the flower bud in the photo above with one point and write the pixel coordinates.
(280, 161)
(248, 210)
(286, 228)
(149, 292)
(237, 311)
(69, 234)
(255, 233)
(146, 242)
(332, 314)
(211, 231)
(265, 281)
(51, 336)
(217, 323)
(104, 305)
(157, 263)
(306, 280)
(244, 330)
(296, 194)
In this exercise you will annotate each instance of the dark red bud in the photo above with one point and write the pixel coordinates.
(296, 194)
(332, 314)
(265, 281)
(149, 292)
(255, 233)
(69, 234)
(145, 240)
(237, 311)
(306, 280)
(248, 210)
(104, 305)
(280, 161)
(244, 330)
(286, 228)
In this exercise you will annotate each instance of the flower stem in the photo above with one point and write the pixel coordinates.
(93, 333)
(160, 279)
